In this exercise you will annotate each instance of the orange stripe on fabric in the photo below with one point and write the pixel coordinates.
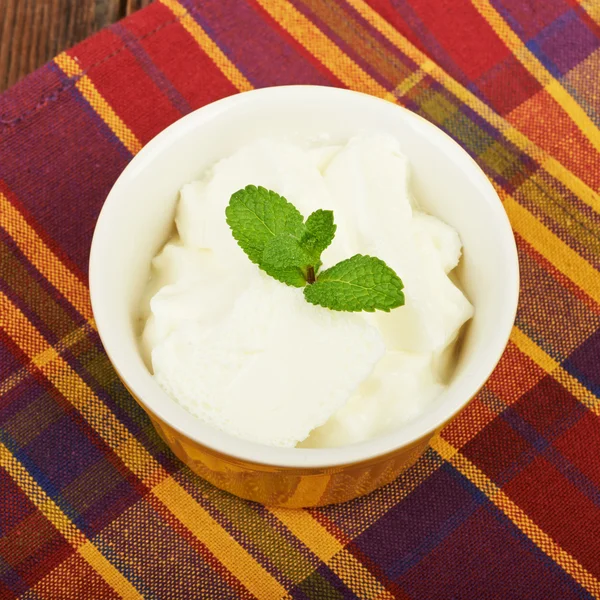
(539, 71)
(208, 46)
(331, 551)
(541, 539)
(528, 347)
(131, 452)
(550, 246)
(220, 542)
(548, 162)
(79, 542)
(43, 259)
(88, 90)
(322, 48)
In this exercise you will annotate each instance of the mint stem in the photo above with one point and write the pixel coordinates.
(310, 275)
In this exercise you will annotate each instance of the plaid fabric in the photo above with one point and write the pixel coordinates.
(504, 504)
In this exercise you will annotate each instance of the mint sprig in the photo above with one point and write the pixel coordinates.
(272, 232)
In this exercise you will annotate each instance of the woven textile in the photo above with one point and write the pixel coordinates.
(504, 504)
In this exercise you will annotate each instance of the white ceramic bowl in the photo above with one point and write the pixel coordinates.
(138, 217)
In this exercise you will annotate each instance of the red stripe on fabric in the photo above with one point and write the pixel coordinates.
(515, 375)
(464, 33)
(96, 49)
(285, 35)
(551, 502)
(34, 548)
(496, 448)
(178, 56)
(143, 106)
(549, 408)
(546, 123)
(508, 85)
(581, 446)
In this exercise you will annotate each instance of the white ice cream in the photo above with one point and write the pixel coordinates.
(249, 355)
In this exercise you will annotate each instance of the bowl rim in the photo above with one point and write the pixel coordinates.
(238, 449)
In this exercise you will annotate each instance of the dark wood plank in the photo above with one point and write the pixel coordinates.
(32, 32)
(133, 5)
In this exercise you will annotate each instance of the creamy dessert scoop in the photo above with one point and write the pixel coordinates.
(250, 356)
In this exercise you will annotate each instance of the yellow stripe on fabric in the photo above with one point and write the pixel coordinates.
(539, 71)
(408, 84)
(19, 375)
(592, 8)
(208, 46)
(322, 48)
(43, 259)
(229, 552)
(133, 454)
(88, 90)
(552, 367)
(548, 162)
(533, 351)
(358, 578)
(79, 542)
(309, 531)
(550, 246)
(537, 535)
(332, 552)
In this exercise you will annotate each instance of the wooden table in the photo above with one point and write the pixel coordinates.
(34, 31)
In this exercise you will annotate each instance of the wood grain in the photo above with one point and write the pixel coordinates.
(32, 32)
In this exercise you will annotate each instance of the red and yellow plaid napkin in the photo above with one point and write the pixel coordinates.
(505, 503)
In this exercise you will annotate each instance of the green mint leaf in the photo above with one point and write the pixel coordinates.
(285, 259)
(285, 250)
(256, 215)
(293, 276)
(358, 283)
(321, 227)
